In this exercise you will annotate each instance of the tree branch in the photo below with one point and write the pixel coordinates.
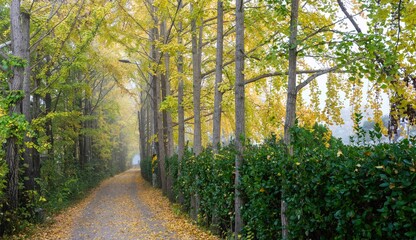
(190, 118)
(3, 45)
(314, 76)
(274, 74)
(352, 20)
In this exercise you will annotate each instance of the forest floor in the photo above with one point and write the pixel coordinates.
(122, 207)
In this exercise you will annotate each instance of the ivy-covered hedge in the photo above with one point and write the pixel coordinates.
(332, 190)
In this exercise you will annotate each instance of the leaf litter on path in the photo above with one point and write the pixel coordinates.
(122, 207)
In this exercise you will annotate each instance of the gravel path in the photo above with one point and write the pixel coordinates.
(115, 212)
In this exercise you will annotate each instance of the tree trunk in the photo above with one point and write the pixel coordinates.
(36, 155)
(167, 118)
(196, 73)
(157, 78)
(87, 126)
(218, 78)
(160, 138)
(26, 109)
(154, 85)
(16, 84)
(181, 112)
(142, 127)
(149, 127)
(239, 112)
(291, 91)
(48, 124)
(169, 144)
(196, 87)
(291, 100)
(216, 138)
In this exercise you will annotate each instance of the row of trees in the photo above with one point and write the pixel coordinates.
(61, 123)
(190, 54)
(205, 72)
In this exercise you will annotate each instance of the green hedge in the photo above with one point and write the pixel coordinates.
(210, 177)
(261, 184)
(146, 169)
(357, 192)
(333, 191)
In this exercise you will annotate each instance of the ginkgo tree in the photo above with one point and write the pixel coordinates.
(56, 113)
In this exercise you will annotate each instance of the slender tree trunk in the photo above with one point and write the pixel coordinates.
(160, 137)
(149, 127)
(218, 78)
(158, 114)
(81, 141)
(167, 118)
(26, 108)
(291, 100)
(196, 73)
(154, 85)
(142, 127)
(239, 112)
(196, 87)
(216, 138)
(48, 124)
(36, 155)
(291, 92)
(87, 125)
(169, 144)
(16, 84)
(181, 112)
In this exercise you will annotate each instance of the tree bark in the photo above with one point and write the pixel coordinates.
(196, 73)
(49, 130)
(181, 111)
(142, 127)
(149, 127)
(160, 138)
(216, 138)
(158, 114)
(239, 113)
(26, 108)
(291, 99)
(36, 154)
(87, 125)
(154, 85)
(167, 118)
(181, 114)
(16, 84)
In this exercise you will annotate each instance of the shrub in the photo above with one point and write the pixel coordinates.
(261, 185)
(333, 191)
(355, 192)
(210, 177)
(146, 169)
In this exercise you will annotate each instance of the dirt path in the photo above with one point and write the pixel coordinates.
(123, 207)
